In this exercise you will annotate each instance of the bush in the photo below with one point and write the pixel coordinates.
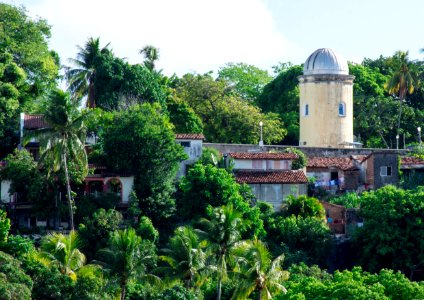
(304, 206)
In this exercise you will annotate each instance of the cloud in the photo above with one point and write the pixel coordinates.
(192, 35)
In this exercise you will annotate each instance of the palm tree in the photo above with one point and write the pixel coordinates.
(63, 141)
(62, 250)
(151, 55)
(403, 81)
(124, 257)
(257, 272)
(185, 257)
(222, 231)
(81, 78)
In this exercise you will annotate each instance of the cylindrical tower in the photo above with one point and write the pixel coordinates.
(326, 101)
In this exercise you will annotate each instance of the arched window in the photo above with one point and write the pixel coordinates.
(306, 111)
(342, 109)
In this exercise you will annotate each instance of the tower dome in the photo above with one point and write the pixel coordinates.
(325, 61)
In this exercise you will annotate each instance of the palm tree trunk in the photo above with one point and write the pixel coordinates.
(218, 293)
(123, 292)
(400, 114)
(68, 191)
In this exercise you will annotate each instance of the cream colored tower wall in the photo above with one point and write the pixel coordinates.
(323, 126)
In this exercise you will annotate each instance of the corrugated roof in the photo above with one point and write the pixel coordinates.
(189, 136)
(263, 155)
(34, 122)
(342, 163)
(287, 176)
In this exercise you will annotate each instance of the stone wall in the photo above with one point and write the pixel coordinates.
(309, 151)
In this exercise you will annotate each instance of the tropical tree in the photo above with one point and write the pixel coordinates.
(222, 231)
(403, 81)
(125, 258)
(151, 55)
(256, 271)
(62, 250)
(81, 78)
(62, 142)
(185, 257)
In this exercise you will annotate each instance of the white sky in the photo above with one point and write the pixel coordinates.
(203, 35)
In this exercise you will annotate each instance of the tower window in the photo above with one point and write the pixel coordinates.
(306, 111)
(342, 109)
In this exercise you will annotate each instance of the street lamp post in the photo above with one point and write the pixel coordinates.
(261, 142)
(419, 135)
(397, 141)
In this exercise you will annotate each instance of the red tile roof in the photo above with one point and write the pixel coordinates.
(342, 163)
(411, 160)
(288, 176)
(263, 155)
(34, 122)
(189, 136)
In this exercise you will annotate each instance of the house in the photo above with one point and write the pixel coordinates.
(192, 143)
(333, 173)
(379, 169)
(269, 175)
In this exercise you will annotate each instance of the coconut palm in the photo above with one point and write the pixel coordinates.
(151, 55)
(403, 81)
(63, 142)
(81, 78)
(62, 250)
(256, 271)
(124, 258)
(222, 231)
(185, 257)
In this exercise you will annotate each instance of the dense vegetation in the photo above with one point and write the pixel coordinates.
(204, 236)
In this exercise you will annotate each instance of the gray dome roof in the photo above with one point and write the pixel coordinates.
(325, 61)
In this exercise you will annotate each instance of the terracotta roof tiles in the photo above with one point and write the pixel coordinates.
(263, 155)
(189, 136)
(342, 163)
(34, 122)
(411, 160)
(287, 176)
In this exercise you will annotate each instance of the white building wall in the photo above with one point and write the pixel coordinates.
(194, 152)
(4, 191)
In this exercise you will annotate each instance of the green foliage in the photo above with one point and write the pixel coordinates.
(119, 85)
(26, 179)
(14, 283)
(146, 230)
(247, 80)
(126, 257)
(183, 117)
(393, 231)
(27, 40)
(300, 239)
(304, 206)
(257, 272)
(307, 283)
(184, 257)
(301, 161)
(63, 252)
(210, 156)
(281, 96)
(87, 205)
(4, 226)
(95, 230)
(348, 200)
(226, 117)
(211, 186)
(141, 142)
(368, 82)
(18, 246)
(49, 283)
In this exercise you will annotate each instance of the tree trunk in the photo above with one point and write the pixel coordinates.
(123, 292)
(68, 192)
(218, 293)
(400, 114)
